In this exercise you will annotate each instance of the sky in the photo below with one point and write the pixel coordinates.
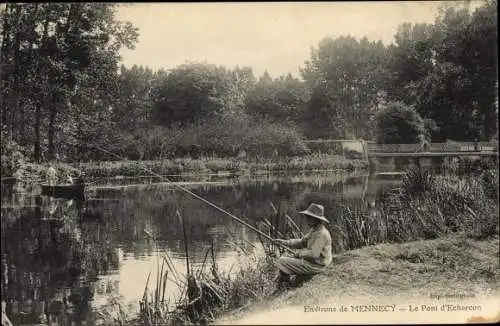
(276, 37)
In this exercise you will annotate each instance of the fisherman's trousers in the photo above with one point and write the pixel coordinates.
(298, 266)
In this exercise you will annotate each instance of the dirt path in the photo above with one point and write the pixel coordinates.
(391, 278)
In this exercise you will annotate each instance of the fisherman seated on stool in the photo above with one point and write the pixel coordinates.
(314, 250)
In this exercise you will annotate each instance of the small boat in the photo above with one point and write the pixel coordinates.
(72, 191)
(8, 185)
(8, 180)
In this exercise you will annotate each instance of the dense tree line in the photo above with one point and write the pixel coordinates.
(59, 75)
(64, 92)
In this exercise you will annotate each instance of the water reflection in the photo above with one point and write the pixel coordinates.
(63, 261)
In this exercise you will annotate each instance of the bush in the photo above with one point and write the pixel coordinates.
(13, 159)
(223, 135)
(149, 143)
(229, 135)
(398, 123)
(36, 172)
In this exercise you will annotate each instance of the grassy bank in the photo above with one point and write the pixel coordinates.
(429, 232)
(208, 165)
(214, 165)
(452, 264)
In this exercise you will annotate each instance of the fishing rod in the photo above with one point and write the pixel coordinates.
(204, 200)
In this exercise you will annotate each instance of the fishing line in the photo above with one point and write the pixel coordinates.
(202, 199)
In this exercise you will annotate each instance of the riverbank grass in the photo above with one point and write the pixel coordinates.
(202, 166)
(453, 264)
(214, 165)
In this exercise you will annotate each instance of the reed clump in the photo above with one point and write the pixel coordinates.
(154, 307)
(209, 294)
(320, 161)
(428, 207)
(207, 291)
(424, 206)
(213, 292)
(489, 179)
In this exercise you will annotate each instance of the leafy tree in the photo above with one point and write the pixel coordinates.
(410, 60)
(191, 92)
(281, 100)
(241, 81)
(56, 49)
(133, 105)
(479, 56)
(398, 123)
(346, 77)
(62, 90)
(441, 97)
(448, 70)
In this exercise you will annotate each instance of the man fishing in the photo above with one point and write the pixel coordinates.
(313, 252)
(51, 175)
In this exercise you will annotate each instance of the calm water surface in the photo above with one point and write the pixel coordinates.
(55, 261)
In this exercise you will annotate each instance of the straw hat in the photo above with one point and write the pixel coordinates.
(317, 211)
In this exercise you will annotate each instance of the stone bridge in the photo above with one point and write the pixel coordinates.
(387, 154)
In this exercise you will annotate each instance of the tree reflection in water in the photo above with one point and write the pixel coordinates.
(50, 261)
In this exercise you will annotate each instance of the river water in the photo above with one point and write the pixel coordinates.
(68, 266)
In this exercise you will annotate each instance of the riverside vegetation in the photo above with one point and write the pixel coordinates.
(448, 213)
(15, 164)
(65, 93)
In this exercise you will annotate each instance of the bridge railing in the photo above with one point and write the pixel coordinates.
(392, 148)
(434, 147)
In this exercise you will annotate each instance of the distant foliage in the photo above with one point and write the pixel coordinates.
(449, 71)
(398, 123)
(65, 94)
(62, 77)
(132, 107)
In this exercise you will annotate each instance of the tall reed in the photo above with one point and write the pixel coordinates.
(423, 207)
